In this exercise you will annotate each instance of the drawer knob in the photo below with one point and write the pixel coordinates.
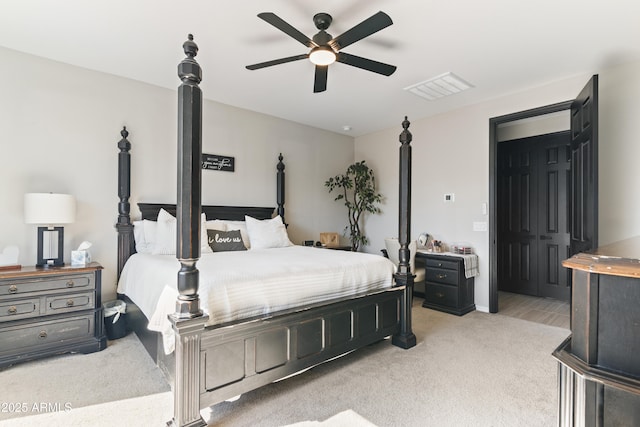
(70, 284)
(441, 276)
(43, 334)
(439, 264)
(70, 303)
(13, 289)
(439, 294)
(13, 309)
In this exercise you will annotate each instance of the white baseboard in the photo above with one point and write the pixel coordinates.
(482, 308)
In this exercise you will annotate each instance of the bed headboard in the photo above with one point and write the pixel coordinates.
(124, 226)
(232, 213)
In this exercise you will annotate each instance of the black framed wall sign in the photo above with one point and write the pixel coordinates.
(218, 162)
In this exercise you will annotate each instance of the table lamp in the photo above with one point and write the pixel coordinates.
(49, 209)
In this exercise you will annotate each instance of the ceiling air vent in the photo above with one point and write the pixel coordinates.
(440, 86)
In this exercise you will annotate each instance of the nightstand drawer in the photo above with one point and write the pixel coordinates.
(441, 295)
(437, 263)
(442, 276)
(20, 286)
(69, 302)
(19, 309)
(46, 333)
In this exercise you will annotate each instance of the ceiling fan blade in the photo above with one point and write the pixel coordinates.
(320, 82)
(277, 61)
(367, 27)
(366, 64)
(286, 28)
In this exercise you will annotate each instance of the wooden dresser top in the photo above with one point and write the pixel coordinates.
(619, 259)
(47, 271)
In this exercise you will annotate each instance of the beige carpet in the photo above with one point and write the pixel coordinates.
(479, 369)
(123, 370)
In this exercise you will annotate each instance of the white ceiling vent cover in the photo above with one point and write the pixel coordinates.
(440, 86)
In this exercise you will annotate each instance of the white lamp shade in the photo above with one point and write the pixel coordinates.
(49, 208)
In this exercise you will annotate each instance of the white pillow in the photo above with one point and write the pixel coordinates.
(242, 226)
(268, 233)
(142, 246)
(216, 224)
(165, 243)
(165, 234)
(150, 231)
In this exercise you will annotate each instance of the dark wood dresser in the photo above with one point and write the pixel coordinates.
(46, 311)
(599, 364)
(446, 288)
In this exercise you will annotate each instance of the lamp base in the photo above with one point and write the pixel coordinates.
(47, 265)
(50, 247)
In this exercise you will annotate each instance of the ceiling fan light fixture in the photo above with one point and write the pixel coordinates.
(322, 55)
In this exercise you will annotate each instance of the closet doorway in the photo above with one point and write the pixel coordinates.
(533, 215)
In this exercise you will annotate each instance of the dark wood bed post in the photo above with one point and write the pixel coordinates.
(404, 276)
(280, 185)
(124, 227)
(188, 320)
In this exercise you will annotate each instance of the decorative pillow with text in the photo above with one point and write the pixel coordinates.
(223, 241)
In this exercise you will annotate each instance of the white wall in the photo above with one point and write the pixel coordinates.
(619, 153)
(533, 126)
(60, 126)
(451, 155)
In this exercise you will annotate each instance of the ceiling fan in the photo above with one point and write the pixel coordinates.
(325, 49)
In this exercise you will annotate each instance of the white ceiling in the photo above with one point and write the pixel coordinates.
(499, 46)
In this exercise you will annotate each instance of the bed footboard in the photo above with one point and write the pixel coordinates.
(239, 358)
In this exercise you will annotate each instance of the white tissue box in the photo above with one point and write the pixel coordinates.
(80, 257)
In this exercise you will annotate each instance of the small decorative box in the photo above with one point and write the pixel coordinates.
(80, 257)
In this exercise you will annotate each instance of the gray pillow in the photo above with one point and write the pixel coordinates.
(221, 241)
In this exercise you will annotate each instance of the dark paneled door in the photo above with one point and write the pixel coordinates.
(584, 174)
(517, 220)
(554, 181)
(533, 215)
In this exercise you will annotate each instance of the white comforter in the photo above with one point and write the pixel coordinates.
(243, 284)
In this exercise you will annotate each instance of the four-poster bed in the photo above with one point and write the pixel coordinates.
(214, 362)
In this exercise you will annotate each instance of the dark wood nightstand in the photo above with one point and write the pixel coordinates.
(48, 311)
(446, 287)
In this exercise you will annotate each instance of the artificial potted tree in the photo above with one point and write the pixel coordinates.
(357, 188)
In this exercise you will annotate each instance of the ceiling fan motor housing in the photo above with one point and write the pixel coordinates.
(322, 38)
(322, 20)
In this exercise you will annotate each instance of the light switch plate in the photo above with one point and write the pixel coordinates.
(479, 226)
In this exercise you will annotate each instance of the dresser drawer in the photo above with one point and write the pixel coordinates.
(19, 309)
(441, 295)
(440, 275)
(17, 338)
(69, 302)
(20, 286)
(449, 265)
